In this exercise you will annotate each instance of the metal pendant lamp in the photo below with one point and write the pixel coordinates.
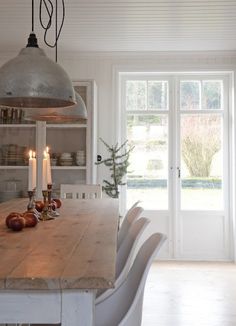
(32, 80)
(75, 113)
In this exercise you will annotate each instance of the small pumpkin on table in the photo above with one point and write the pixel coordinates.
(17, 221)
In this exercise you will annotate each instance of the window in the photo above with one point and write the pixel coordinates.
(181, 144)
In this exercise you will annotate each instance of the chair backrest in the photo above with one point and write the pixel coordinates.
(128, 245)
(129, 218)
(134, 205)
(80, 191)
(125, 255)
(124, 306)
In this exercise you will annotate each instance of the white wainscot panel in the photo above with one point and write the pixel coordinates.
(203, 236)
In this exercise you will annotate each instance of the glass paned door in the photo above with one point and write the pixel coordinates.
(201, 144)
(147, 130)
(179, 168)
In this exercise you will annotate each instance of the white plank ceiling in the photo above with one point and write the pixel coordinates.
(142, 25)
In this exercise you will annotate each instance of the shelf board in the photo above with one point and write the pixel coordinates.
(18, 125)
(66, 125)
(69, 167)
(13, 167)
(24, 167)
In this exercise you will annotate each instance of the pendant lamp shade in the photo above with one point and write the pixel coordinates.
(72, 114)
(32, 80)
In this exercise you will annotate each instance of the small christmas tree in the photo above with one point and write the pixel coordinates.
(118, 163)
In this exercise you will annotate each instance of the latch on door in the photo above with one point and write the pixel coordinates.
(179, 172)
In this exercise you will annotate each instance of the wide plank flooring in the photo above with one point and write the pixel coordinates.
(190, 294)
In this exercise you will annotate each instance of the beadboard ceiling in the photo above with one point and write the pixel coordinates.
(130, 25)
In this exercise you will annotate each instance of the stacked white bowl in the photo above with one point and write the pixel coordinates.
(66, 159)
(80, 157)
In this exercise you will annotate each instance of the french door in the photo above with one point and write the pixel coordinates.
(179, 168)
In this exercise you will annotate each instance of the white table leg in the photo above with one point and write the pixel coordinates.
(77, 308)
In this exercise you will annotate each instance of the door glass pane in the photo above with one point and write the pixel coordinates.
(148, 170)
(190, 95)
(201, 162)
(136, 95)
(212, 94)
(157, 95)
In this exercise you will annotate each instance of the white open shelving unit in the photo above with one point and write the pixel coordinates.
(61, 138)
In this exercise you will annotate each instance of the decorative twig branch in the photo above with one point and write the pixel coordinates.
(117, 163)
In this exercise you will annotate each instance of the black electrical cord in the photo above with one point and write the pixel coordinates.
(56, 31)
(49, 12)
(32, 15)
(48, 5)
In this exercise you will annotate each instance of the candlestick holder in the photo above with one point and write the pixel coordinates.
(51, 210)
(45, 216)
(49, 186)
(31, 207)
(31, 203)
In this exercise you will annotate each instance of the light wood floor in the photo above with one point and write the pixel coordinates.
(190, 294)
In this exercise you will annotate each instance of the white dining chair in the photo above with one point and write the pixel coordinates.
(124, 306)
(80, 191)
(125, 255)
(133, 214)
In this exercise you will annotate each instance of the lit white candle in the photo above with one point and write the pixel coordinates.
(49, 173)
(44, 183)
(30, 172)
(34, 164)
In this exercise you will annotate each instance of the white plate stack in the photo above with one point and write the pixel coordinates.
(80, 158)
(66, 159)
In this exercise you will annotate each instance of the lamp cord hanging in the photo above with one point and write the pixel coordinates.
(48, 5)
(56, 31)
(32, 15)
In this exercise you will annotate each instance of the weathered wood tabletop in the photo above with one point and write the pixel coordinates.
(77, 250)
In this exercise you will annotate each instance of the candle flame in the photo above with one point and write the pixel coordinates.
(47, 149)
(45, 154)
(30, 154)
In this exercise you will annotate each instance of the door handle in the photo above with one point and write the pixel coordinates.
(179, 172)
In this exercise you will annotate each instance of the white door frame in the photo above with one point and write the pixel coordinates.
(223, 215)
(174, 247)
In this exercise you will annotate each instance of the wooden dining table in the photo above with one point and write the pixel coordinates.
(51, 273)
